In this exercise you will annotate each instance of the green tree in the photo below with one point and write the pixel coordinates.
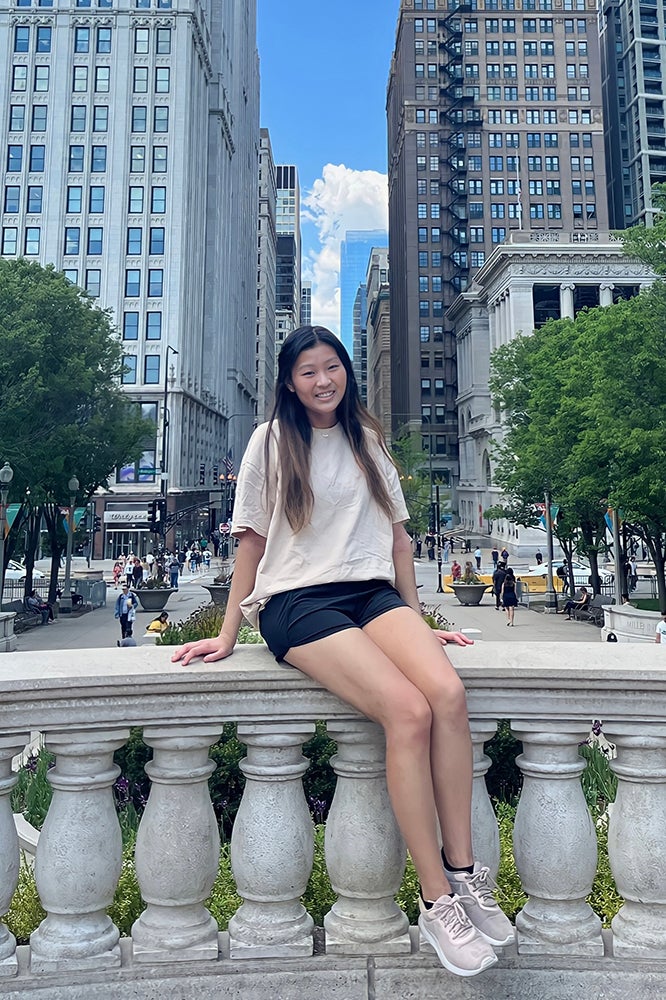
(586, 407)
(63, 411)
(649, 245)
(415, 480)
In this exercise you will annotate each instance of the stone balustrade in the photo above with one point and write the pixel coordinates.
(85, 701)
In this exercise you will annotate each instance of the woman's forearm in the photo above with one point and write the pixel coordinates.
(403, 563)
(250, 550)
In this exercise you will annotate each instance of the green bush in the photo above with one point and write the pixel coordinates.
(504, 779)
(25, 911)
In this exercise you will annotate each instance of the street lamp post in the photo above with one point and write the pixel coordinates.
(6, 476)
(550, 606)
(227, 477)
(66, 599)
(164, 465)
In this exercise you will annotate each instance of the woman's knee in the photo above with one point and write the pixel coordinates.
(449, 700)
(409, 717)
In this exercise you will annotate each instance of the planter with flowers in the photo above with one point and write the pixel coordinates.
(154, 594)
(469, 589)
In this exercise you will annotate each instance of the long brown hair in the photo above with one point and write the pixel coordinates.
(296, 432)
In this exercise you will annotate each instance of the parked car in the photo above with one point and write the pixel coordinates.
(17, 571)
(581, 572)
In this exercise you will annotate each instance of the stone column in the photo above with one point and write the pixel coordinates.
(177, 848)
(555, 844)
(567, 301)
(272, 845)
(485, 834)
(492, 325)
(365, 854)
(79, 856)
(606, 294)
(10, 746)
(522, 310)
(637, 841)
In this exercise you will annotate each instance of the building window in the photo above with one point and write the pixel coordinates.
(554, 211)
(129, 370)
(102, 79)
(95, 240)
(9, 241)
(80, 79)
(32, 240)
(14, 159)
(82, 39)
(98, 165)
(17, 118)
(158, 200)
(132, 282)
(36, 162)
(160, 120)
(159, 159)
(141, 40)
(151, 373)
(12, 202)
(424, 334)
(139, 118)
(155, 282)
(498, 234)
(137, 159)
(134, 240)
(78, 118)
(96, 200)
(156, 240)
(130, 326)
(135, 200)
(100, 118)
(35, 196)
(93, 282)
(21, 39)
(74, 199)
(72, 240)
(140, 80)
(72, 274)
(154, 326)
(41, 79)
(163, 41)
(162, 80)
(104, 40)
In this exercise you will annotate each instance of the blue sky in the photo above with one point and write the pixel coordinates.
(324, 70)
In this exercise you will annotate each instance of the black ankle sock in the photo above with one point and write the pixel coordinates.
(460, 868)
(429, 903)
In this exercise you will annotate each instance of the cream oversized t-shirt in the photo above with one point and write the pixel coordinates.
(349, 537)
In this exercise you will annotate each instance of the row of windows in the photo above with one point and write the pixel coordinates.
(95, 240)
(430, 283)
(40, 79)
(151, 369)
(133, 282)
(437, 334)
(427, 416)
(43, 37)
(140, 79)
(530, 25)
(82, 39)
(153, 326)
(77, 159)
(510, 48)
(538, 116)
(497, 187)
(531, 71)
(142, 4)
(31, 241)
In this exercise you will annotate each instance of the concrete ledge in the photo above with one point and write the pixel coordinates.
(417, 976)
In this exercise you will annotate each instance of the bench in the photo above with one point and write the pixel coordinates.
(594, 612)
(25, 618)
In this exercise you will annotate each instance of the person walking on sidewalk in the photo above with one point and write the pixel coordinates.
(498, 579)
(509, 597)
(324, 567)
(125, 610)
(478, 555)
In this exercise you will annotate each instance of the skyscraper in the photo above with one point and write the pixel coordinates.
(266, 268)
(494, 124)
(355, 252)
(130, 154)
(306, 303)
(634, 71)
(288, 225)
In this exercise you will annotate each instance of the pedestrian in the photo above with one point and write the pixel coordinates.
(633, 573)
(478, 555)
(430, 545)
(174, 570)
(182, 558)
(150, 561)
(504, 554)
(35, 604)
(137, 572)
(447, 549)
(125, 610)
(538, 555)
(419, 545)
(579, 604)
(660, 631)
(509, 598)
(117, 572)
(324, 555)
(494, 555)
(498, 579)
(129, 566)
(456, 571)
(561, 573)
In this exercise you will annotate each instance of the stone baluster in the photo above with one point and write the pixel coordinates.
(10, 746)
(637, 840)
(272, 845)
(79, 856)
(365, 854)
(555, 843)
(485, 834)
(177, 848)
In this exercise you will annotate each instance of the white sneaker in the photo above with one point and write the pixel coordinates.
(459, 946)
(476, 896)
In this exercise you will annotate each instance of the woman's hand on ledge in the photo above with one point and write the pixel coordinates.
(457, 638)
(217, 648)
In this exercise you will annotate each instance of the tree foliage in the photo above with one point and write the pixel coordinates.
(649, 245)
(585, 402)
(63, 411)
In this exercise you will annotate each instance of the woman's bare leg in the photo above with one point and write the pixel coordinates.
(352, 666)
(418, 654)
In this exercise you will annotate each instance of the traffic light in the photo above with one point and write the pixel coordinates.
(97, 524)
(152, 515)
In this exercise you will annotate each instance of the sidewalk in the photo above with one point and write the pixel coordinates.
(529, 626)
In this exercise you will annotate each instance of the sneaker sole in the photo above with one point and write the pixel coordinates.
(493, 941)
(447, 963)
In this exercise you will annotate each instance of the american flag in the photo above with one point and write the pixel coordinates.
(229, 463)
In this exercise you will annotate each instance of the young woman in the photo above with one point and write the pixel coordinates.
(324, 565)
(509, 598)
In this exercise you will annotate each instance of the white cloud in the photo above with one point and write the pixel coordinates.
(340, 199)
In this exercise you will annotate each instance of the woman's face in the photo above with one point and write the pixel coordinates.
(319, 380)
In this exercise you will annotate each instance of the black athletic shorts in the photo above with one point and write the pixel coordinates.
(298, 617)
